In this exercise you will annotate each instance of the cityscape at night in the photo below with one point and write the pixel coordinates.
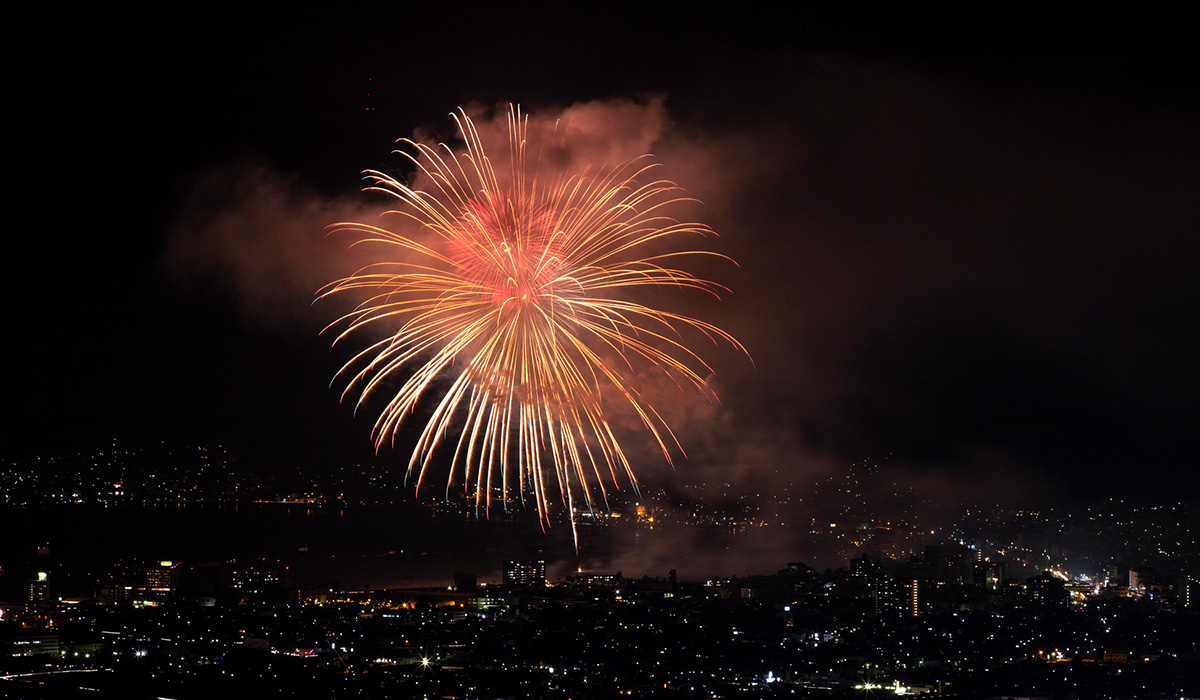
(474, 351)
(942, 599)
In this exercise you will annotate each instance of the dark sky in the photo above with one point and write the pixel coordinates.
(967, 241)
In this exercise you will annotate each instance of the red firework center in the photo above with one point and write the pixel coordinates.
(509, 247)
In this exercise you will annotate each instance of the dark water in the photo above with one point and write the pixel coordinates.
(407, 545)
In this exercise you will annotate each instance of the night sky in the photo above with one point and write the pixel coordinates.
(968, 243)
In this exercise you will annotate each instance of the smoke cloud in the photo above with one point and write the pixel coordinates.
(259, 238)
(973, 290)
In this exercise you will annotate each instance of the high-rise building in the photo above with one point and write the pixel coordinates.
(524, 572)
(865, 571)
(163, 578)
(1046, 589)
(990, 575)
(37, 589)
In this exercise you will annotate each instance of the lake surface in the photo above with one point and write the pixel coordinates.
(406, 545)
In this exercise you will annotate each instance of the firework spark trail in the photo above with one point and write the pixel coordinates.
(515, 292)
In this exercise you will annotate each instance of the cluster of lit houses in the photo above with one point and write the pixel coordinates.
(924, 626)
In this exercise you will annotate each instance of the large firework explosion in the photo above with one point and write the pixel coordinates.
(510, 314)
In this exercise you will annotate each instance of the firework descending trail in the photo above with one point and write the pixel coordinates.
(509, 312)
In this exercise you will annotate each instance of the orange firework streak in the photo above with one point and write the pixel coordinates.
(517, 296)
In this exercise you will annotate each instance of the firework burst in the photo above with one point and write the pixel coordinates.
(511, 315)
